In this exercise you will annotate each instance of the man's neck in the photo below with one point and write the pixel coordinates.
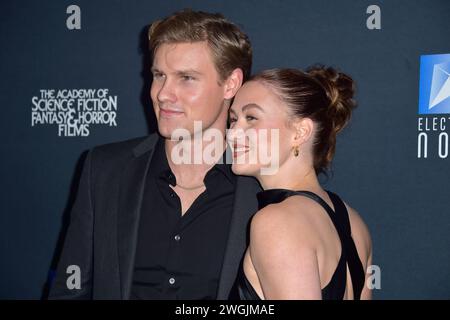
(190, 159)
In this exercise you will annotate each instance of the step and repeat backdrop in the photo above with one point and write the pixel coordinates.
(392, 162)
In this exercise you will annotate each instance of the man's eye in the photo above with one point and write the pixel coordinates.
(232, 119)
(157, 75)
(187, 78)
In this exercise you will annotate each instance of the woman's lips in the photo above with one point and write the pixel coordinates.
(167, 113)
(239, 151)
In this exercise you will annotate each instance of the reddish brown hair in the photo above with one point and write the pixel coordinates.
(322, 94)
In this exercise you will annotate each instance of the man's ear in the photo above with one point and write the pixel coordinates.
(303, 131)
(233, 83)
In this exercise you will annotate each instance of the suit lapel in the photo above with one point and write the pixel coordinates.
(130, 200)
(245, 205)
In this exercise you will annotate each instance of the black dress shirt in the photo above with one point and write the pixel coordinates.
(180, 256)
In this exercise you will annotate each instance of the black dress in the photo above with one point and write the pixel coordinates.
(335, 289)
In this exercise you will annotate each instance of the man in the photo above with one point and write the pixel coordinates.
(146, 225)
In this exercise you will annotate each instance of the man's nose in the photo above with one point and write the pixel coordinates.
(166, 93)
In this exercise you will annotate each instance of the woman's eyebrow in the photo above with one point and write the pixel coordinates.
(251, 106)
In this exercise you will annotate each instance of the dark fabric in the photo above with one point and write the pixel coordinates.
(335, 289)
(175, 258)
(103, 231)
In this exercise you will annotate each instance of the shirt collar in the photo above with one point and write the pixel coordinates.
(224, 166)
(160, 165)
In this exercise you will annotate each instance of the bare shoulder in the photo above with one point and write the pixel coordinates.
(360, 233)
(284, 221)
(281, 244)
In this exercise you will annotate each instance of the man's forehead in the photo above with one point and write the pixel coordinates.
(183, 55)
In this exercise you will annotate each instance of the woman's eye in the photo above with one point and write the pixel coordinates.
(232, 120)
(250, 118)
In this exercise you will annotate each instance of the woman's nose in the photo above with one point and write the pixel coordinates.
(236, 136)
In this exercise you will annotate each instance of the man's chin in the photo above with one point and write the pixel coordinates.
(173, 133)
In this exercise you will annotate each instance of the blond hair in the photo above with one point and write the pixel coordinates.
(230, 47)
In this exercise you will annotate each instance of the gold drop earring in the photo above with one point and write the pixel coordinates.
(296, 151)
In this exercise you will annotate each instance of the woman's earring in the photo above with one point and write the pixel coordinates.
(296, 152)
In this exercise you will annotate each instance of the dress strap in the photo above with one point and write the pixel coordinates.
(354, 263)
(335, 218)
(341, 222)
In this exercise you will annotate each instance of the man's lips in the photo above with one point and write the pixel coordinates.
(168, 113)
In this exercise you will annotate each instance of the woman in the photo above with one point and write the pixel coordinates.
(305, 243)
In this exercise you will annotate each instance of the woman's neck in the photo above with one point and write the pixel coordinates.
(305, 179)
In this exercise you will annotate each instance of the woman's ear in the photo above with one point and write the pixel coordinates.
(233, 83)
(303, 130)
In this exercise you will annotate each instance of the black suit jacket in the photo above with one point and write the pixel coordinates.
(101, 238)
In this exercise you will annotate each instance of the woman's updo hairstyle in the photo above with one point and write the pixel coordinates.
(320, 93)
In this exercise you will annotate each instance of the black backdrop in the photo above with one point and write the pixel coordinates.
(404, 199)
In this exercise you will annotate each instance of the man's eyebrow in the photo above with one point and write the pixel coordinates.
(179, 72)
(188, 71)
(251, 106)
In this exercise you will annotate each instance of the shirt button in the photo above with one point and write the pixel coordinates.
(177, 237)
(171, 280)
(172, 194)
